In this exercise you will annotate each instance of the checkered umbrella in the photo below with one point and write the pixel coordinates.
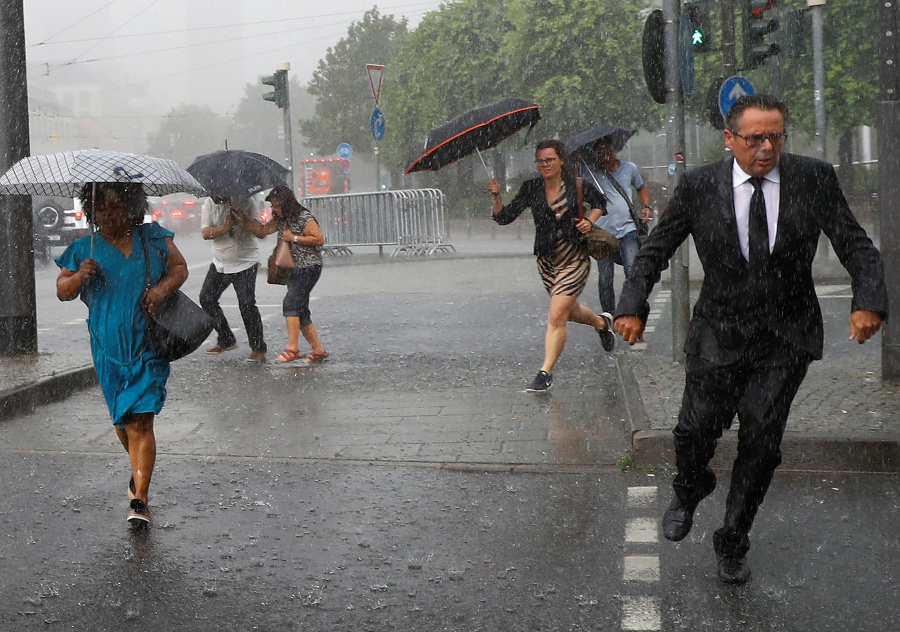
(63, 174)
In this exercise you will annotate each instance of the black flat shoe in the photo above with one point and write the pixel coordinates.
(677, 521)
(733, 570)
(679, 517)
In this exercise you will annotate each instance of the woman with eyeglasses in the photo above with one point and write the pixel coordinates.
(108, 272)
(562, 257)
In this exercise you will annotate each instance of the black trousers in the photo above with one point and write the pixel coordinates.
(214, 285)
(759, 389)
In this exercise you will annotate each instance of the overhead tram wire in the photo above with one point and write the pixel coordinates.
(46, 42)
(128, 21)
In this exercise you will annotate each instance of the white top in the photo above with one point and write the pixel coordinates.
(237, 250)
(743, 191)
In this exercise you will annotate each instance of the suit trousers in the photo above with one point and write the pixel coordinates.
(244, 283)
(759, 388)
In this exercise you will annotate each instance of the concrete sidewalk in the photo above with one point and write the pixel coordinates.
(844, 418)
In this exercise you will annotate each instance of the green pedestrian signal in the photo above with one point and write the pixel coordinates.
(701, 29)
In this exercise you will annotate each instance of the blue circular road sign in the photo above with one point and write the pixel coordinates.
(732, 89)
(344, 150)
(377, 125)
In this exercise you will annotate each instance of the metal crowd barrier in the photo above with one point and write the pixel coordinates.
(412, 220)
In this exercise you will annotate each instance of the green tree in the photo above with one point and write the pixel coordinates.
(189, 131)
(451, 63)
(581, 61)
(341, 85)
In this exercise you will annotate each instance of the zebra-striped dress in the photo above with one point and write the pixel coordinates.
(566, 272)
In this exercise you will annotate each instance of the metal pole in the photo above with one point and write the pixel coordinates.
(817, 7)
(729, 54)
(889, 180)
(675, 141)
(288, 143)
(18, 307)
(377, 169)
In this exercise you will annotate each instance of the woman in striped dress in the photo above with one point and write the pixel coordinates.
(562, 257)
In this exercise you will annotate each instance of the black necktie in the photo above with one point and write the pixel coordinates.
(759, 228)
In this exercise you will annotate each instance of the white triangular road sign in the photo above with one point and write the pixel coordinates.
(376, 76)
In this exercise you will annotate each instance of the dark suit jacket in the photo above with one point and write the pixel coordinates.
(531, 195)
(731, 308)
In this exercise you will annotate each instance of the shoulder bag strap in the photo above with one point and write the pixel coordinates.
(579, 187)
(618, 187)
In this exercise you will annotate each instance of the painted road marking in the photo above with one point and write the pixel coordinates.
(641, 606)
(641, 568)
(641, 613)
(641, 530)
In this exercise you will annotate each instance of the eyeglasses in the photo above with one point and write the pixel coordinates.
(755, 140)
(546, 161)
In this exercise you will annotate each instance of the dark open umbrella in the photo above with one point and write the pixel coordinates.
(474, 131)
(237, 173)
(617, 134)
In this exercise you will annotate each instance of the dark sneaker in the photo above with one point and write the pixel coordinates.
(220, 349)
(138, 513)
(607, 337)
(543, 381)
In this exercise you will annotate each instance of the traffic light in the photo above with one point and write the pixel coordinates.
(701, 29)
(279, 82)
(756, 27)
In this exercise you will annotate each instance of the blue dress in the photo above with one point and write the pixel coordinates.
(132, 379)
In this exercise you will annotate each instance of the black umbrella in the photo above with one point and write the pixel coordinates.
(237, 173)
(474, 131)
(617, 134)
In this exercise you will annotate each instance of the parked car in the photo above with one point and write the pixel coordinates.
(61, 219)
(179, 212)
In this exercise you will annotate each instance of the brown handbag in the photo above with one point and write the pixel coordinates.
(280, 264)
(599, 243)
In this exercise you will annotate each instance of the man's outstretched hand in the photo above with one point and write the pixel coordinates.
(864, 324)
(631, 328)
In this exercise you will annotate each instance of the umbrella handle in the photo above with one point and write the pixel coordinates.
(490, 175)
(593, 177)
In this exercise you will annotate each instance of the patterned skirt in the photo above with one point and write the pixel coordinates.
(566, 272)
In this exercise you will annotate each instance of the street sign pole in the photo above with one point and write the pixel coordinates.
(889, 181)
(376, 77)
(675, 142)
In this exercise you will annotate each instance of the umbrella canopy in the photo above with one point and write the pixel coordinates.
(63, 174)
(617, 134)
(237, 173)
(476, 130)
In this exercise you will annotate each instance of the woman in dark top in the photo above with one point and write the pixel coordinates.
(562, 257)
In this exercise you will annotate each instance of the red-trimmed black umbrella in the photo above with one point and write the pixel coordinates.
(474, 131)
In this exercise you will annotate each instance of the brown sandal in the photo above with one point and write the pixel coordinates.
(316, 357)
(289, 355)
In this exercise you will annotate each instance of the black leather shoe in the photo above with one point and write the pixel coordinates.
(677, 521)
(679, 517)
(733, 570)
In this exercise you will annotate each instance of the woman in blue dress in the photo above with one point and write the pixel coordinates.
(110, 277)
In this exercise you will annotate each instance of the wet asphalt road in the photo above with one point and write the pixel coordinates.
(409, 484)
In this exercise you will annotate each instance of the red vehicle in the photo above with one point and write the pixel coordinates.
(322, 176)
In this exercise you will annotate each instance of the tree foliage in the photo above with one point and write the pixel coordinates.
(341, 85)
(851, 61)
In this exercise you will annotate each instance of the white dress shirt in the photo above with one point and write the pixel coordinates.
(235, 251)
(743, 191)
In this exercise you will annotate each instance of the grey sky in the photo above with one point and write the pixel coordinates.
(188, 51)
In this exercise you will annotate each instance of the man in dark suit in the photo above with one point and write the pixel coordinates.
(755, 220)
